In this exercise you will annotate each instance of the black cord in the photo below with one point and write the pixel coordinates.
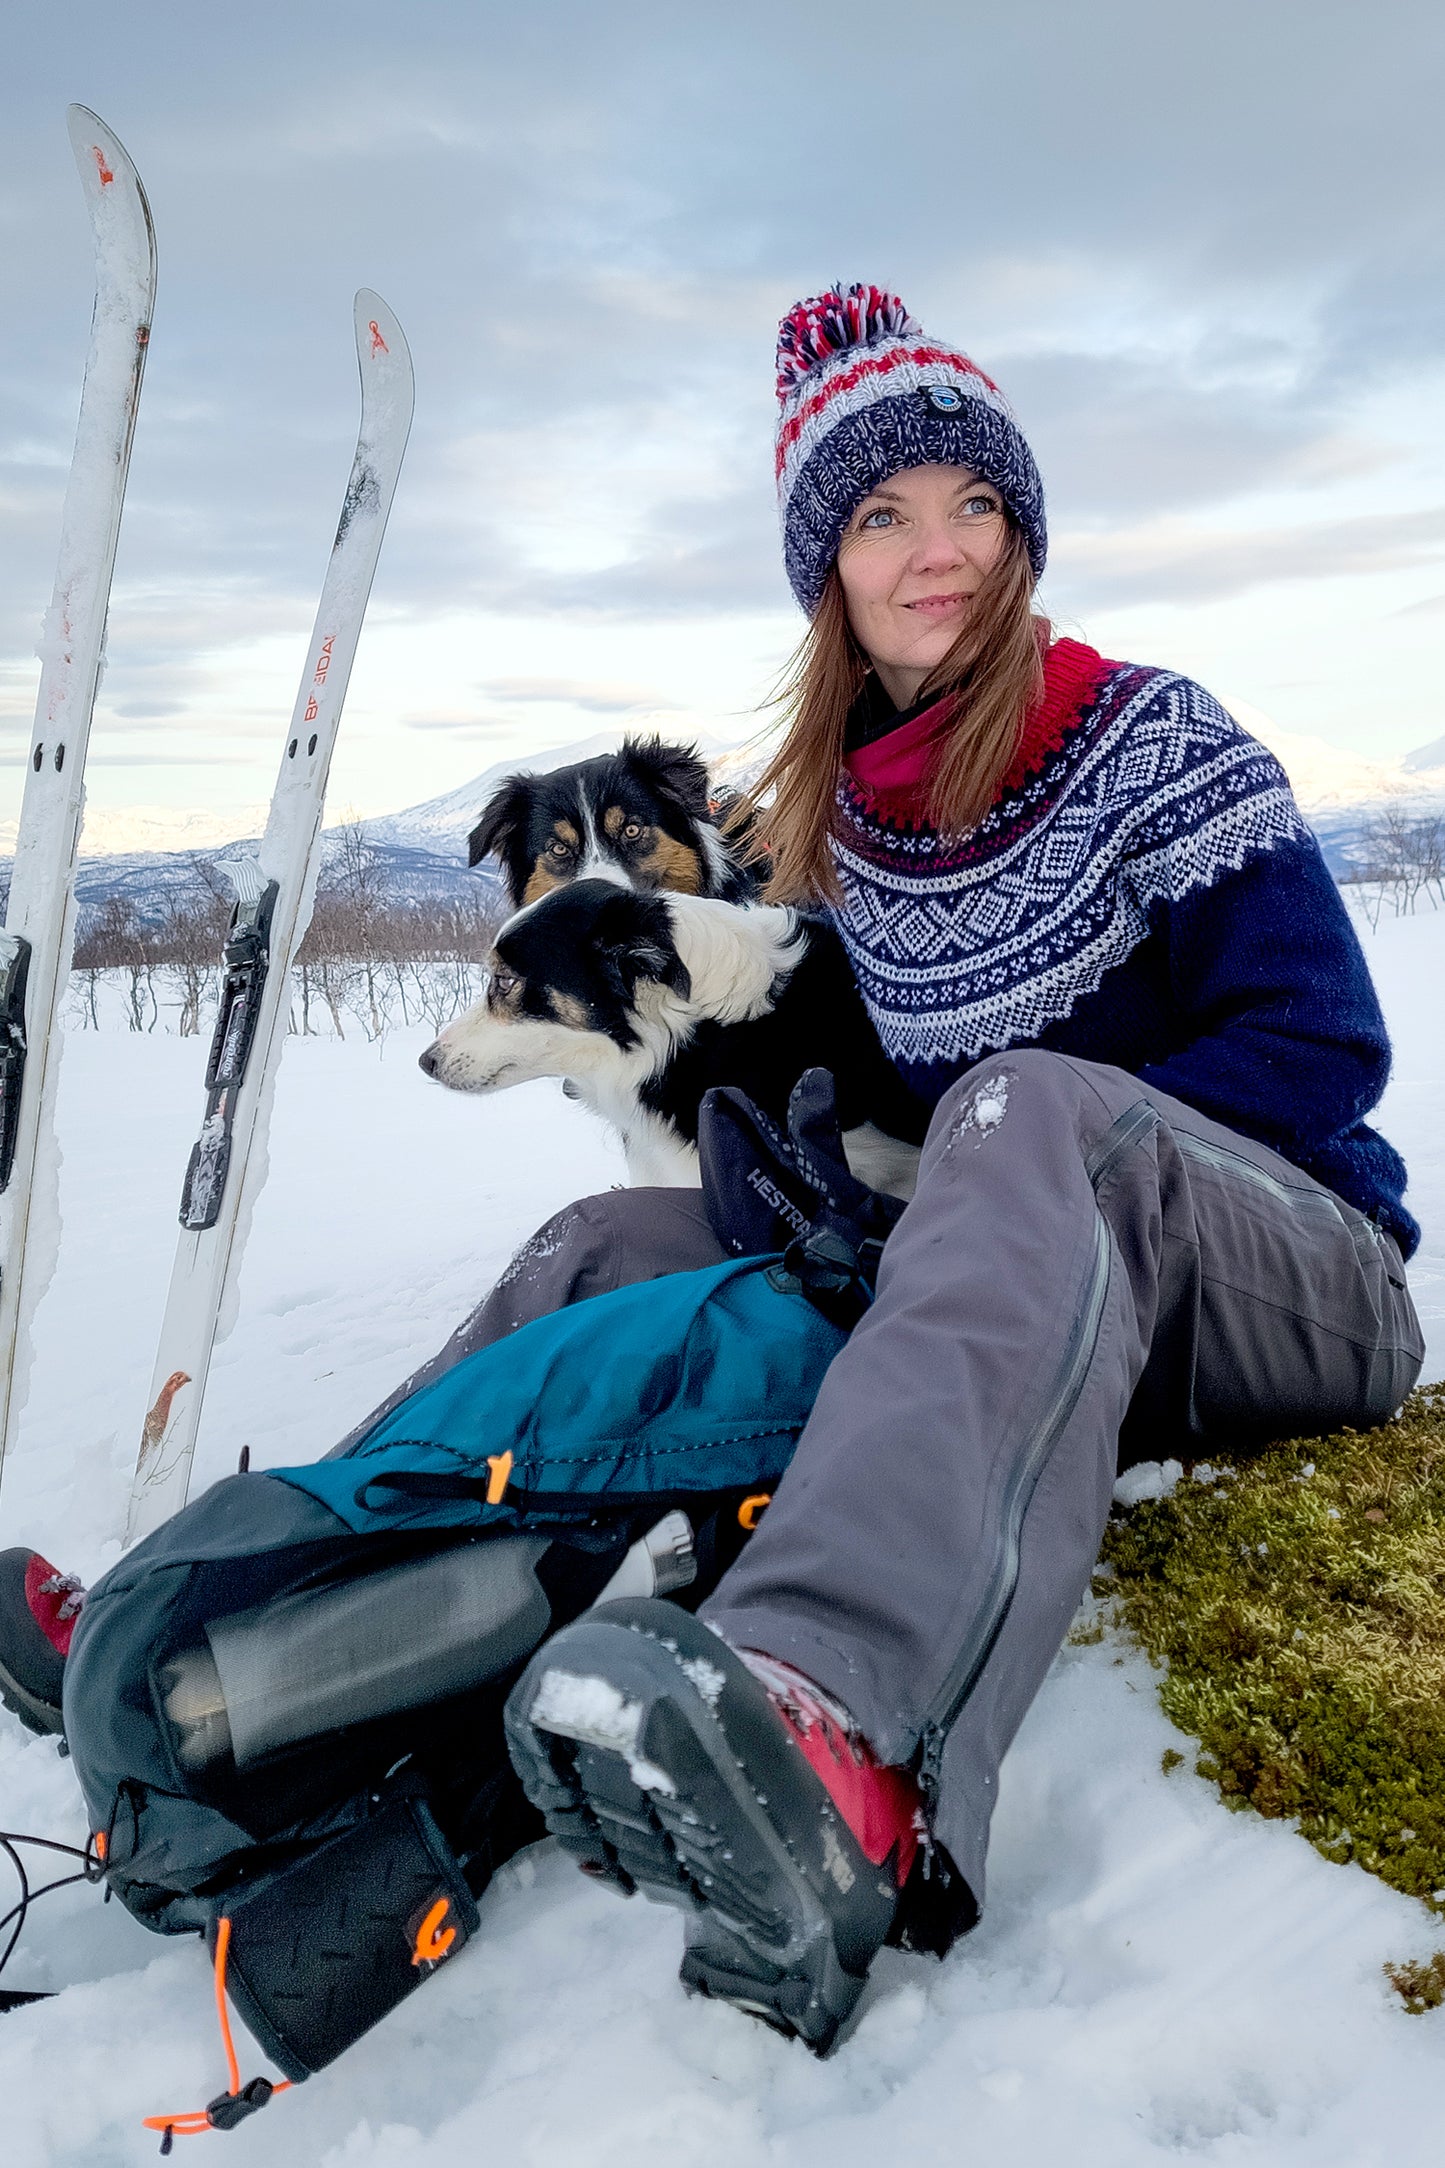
(9, 1840)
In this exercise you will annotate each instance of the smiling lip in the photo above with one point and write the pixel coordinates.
(936, 605)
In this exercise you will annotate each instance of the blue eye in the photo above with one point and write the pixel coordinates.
(869, 517)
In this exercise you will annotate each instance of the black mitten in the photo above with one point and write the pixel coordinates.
(770, 1189)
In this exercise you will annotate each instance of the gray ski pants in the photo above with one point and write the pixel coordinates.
(1090, 1274)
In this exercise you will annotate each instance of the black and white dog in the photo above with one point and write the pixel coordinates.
(641, 815)
(643, 1002)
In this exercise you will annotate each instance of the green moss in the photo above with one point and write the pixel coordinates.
(1297, 1606)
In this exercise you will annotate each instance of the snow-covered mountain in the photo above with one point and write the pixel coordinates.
(1426, 756)
(126, 831)
(1329, 776)
(424, 847)
(1338, 791)
(441, 825)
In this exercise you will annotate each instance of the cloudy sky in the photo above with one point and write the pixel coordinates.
(1202, 248)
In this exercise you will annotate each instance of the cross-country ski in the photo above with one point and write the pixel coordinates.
(273, 908)
(39, 923)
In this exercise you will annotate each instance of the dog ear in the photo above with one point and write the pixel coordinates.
(501, 820)
(637, 943)
(677, 771)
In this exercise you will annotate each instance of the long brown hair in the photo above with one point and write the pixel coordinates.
(993, 672)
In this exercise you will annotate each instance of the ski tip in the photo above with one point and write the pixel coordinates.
(107, 169)
(99, 151)
(378, 334)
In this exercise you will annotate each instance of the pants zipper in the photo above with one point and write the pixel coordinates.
(1078, 1354)
(1290, 1194)
(1135, 1122)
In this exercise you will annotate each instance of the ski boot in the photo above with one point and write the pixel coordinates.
(38, 1609)
(668, 1764)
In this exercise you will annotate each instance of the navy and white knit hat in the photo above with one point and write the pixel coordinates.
(863, 395)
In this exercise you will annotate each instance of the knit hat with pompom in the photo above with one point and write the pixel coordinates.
(865, 394)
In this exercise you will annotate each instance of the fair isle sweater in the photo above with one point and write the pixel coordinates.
(1143, 891)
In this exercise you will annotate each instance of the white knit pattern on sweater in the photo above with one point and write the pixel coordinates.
(966, 949)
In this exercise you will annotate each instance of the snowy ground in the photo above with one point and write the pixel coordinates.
(1154, 1977)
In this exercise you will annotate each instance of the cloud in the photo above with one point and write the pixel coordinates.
(464, 726)
(597, 699)
(1196, 247)
(217, 759)
(1123, 434)
(1177, 562)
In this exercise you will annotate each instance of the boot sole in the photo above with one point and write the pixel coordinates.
(641, 1782)
(41, 1717)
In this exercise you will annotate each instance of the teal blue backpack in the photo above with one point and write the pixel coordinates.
(284, 1706)
(691, 1385)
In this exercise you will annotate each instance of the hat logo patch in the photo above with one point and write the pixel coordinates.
(943, 398)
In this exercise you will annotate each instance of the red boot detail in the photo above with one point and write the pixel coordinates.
(880, 1803)
(54, 1600)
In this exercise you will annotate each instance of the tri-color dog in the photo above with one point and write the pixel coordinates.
(641, 815)
(644, 1002)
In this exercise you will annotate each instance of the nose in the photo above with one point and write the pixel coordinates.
(936, 547)
(428, 1061)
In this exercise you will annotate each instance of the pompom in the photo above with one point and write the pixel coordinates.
(830, 323)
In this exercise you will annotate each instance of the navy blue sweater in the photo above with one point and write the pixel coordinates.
(1144, 891)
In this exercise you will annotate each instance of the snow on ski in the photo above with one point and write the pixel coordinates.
(35, 947)
(274, 899)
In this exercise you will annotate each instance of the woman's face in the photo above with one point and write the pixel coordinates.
(912, 558)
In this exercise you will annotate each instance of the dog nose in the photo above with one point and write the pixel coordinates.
(428, 1060)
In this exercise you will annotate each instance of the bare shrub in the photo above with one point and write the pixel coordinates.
(1402, 857)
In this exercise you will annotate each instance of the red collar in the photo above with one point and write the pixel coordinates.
(891, 771)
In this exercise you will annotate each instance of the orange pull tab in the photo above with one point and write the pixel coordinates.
(499, 1469)
(432, 1947)
(228, 2108)
(751, 1511)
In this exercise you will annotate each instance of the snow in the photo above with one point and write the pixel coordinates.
(590, 1709)
(1148, 1479)
(1154, 1976)
(706, 1677)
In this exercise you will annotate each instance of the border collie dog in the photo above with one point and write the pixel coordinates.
(643, 1002)
(640, 816)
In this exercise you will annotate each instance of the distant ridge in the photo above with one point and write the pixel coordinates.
(1426, 756)
(423, 848)
(1339, 791)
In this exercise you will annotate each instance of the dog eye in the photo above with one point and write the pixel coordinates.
(559, 849)
(632, 830)
(503, 982)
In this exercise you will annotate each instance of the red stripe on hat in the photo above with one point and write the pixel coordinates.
(872, 365)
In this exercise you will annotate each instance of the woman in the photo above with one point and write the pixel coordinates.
(1097, 937)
